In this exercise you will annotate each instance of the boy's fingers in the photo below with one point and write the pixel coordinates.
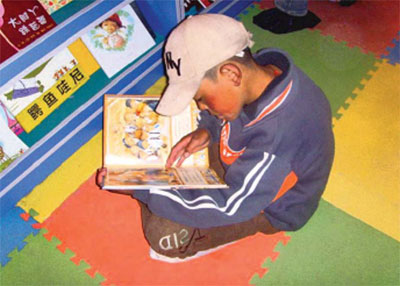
(101, 173)
(183, 158)
(177, 151)
(191, 148)
(175, 155)
(188, 145)
(185, 152)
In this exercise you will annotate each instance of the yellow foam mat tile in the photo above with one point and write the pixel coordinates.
(84, 57)
(65, 180)
(365, 179)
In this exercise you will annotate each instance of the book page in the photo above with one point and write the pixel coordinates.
(183, 124)
(137, 142)
(200, 177)
(134, 134)
(145, 178)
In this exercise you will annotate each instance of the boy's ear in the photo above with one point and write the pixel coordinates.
(231, 72)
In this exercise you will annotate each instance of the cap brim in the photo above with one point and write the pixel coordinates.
(177, 97)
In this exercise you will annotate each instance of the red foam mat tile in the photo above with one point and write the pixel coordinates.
(104, 229)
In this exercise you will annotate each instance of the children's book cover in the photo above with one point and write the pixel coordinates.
(137, 142)
(11, 147)
(10, 120)
(6, 48)
(32, 98)
(119, 40)
(193, 7)
(22, 92)
(53, 5)
(22, 22)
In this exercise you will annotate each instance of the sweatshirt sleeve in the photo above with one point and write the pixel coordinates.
(292, 210)
(212, 124)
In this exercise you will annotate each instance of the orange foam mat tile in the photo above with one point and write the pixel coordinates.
(104, 229)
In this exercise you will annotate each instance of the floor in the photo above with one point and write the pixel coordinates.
(76, 234)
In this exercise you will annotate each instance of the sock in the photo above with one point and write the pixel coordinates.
(279, 22)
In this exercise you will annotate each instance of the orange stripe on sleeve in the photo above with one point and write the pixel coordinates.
(287, 184)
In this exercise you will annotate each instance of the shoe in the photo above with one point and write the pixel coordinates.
(346, 3)
(279, 22)
(157, 256)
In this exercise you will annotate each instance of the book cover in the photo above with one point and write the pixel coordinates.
(119, 40)
(22, 23)
(53, 5)
(6, 49)
(193, 7)
(137, 142)
(10, 120)
(32, 98)
(11, 147)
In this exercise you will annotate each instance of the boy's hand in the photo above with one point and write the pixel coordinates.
(101, 173)
(191, 143)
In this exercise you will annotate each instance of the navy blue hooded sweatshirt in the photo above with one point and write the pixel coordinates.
(277, 156)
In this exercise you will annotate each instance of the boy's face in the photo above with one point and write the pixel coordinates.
(219, 98)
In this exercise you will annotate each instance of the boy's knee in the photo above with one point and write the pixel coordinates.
(171, 243)
(166, 237)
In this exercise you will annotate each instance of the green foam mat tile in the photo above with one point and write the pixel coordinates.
(335, 67)
(334, 249)
(40, 263)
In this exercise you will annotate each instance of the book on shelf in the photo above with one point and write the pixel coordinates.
(120, 39)
(11, 147)
(137, 142)
(33, 97)
(21, 23)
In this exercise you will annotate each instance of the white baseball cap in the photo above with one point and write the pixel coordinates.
(196, 45)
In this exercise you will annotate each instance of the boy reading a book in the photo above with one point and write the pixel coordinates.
(273, 126)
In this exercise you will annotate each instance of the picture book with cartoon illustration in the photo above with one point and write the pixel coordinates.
(137, 142)
(11, 147)
(119, 39)
(33, 97)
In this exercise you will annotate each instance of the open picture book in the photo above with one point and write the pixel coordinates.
(137, 142)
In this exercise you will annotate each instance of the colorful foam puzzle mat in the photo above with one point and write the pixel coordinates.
(58, 228)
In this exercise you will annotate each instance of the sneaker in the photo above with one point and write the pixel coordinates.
(157, 256)
(346, 3)
(278, 22)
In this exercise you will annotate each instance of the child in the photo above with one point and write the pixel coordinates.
(273, 125)
(115, 37)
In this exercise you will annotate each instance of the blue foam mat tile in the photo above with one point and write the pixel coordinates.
(393, 52)
(13, 230)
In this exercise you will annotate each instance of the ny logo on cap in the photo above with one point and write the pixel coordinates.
(171, 64)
